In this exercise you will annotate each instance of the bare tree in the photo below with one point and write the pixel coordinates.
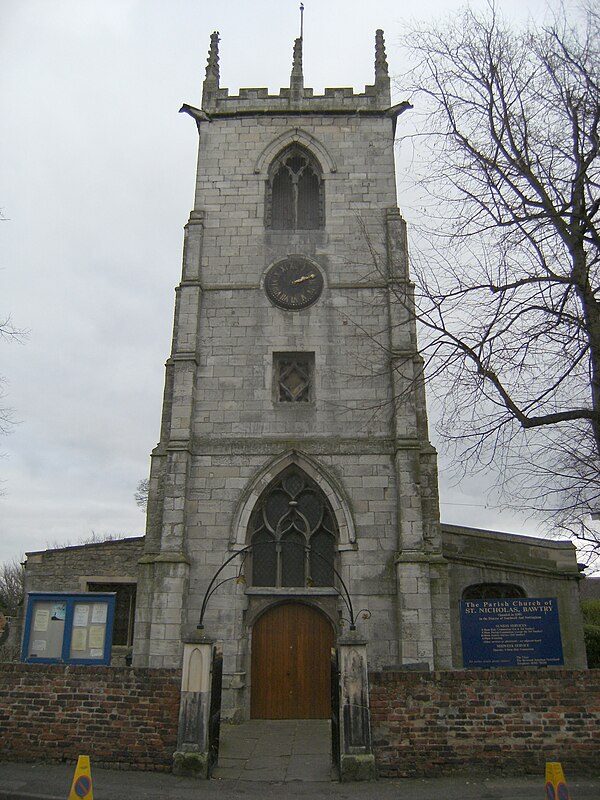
(12, 575)
(8, 332)
(141, 493)
(507, 261)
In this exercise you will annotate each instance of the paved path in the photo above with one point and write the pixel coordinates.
(276, 750)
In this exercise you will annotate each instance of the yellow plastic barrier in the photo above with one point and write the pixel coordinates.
(82, 780)
(556, 785)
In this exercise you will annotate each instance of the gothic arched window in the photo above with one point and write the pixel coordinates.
(292, 532)
(294, 192)
(493, 591)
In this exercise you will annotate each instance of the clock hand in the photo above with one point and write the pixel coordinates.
(304, 278)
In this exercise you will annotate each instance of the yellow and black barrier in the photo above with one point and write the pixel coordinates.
(81, 788)
(556, 785)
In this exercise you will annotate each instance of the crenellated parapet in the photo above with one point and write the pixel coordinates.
(216, 101)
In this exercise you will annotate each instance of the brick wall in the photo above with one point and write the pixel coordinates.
(422, 723)
(121, 718)
(436, 723)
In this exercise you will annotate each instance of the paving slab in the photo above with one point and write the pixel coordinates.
(315, 768)
(275, 750)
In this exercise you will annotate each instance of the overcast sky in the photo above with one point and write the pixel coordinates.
(96, 183)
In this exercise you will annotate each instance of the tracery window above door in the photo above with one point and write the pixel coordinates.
(292, 532)
(294, 192)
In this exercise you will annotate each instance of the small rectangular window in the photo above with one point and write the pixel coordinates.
(293, 375)
(124, 610)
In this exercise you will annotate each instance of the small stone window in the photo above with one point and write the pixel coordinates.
(294, 199)
(124, 610)
(493, 591)
(292, 532)
(293, 377)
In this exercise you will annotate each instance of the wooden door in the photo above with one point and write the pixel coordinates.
(291, 654)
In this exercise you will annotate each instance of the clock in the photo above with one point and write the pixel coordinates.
(293, 284)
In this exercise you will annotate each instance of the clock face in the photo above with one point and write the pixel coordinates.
(293, 284)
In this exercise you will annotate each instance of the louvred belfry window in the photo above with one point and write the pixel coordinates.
(295, 192)
(293, 534)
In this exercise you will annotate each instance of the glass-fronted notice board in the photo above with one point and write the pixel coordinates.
(68, 628)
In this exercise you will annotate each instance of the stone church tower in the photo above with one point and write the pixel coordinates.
(294, 426)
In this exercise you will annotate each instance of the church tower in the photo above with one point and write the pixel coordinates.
(294, 430)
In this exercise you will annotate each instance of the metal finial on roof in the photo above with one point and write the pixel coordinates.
(212, 62)
(297, 77)
(381, 64)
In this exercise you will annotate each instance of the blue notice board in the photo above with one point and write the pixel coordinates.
(68, 628)
(517, 632)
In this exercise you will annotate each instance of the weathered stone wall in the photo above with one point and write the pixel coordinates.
(67, 569)
(492, 720)
(541, 568)
(70, 569)
(590, 589)
(240, 328)
(236, 425)
(222, 424)
(122, 718)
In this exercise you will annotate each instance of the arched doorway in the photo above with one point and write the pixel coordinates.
(291, 656)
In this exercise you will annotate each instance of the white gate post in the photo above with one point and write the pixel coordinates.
(192, 754)
(357, 762)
